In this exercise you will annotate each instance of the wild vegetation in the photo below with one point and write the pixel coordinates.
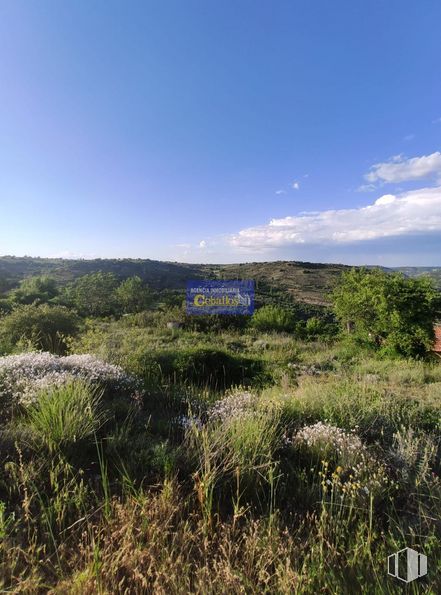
(287, 453)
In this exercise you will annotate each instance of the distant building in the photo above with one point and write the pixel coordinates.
(437, 344)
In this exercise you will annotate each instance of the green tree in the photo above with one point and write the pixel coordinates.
(132, 295)
(39, 289)
(46, 327)
(388, 310)
(93, 294)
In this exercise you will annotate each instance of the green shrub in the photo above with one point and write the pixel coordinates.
(205, 367)
(5, 305)
(234, 453)
(318, 327)
(64, 416)
(42, 326)
(39, 289)
(93, 294)
(273, 318)
(215, 322)
(154, 319)
(132, 295)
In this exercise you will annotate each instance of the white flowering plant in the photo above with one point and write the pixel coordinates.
(236, 404)
(323, 441)
(345, 464)
(23, 376)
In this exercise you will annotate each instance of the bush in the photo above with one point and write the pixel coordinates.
(5, 305)
(93, 294)
(273, 318)
(44, 327)
(64, 416)
(215, 322)
(324, 441)
(206, 367)
(22, 377)
(319, 328)
(35, 290)
(132, 295)
(233, 451)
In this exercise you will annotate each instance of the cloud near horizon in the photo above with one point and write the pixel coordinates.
(400, 169)
(409, 213)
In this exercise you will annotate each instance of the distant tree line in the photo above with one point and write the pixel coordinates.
(95, 294)
(388, 312)
(40, 313)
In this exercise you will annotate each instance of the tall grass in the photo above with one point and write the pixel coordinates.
(64, 416)
(233, 456)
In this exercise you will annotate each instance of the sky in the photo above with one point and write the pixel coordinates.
(221, 131)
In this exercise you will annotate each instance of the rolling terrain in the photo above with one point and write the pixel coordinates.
(305, 281)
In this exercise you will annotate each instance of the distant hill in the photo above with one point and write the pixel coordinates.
(158, 274)
(305, 281)
(433, 272)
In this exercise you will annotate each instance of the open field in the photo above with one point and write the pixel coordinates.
(290, 467)
(146, 450)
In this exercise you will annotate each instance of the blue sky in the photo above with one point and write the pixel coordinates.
(221, 131)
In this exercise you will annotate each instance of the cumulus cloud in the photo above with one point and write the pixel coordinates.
(400, 169)
(202, 244)
(414, 212)
(295, 186)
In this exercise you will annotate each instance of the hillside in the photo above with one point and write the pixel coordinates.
(434, 272)
(307, 282)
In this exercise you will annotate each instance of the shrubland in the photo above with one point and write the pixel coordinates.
(263, 456)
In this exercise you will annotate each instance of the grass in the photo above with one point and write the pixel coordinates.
(65, 416)
(302, 484)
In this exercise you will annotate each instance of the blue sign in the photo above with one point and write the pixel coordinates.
(220, 297)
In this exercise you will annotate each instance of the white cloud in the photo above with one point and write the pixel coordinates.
(366, 188)
(400, 169)
(295, 186)
(414, 212)
(280, 191)
(202, 244)
(386, 199)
